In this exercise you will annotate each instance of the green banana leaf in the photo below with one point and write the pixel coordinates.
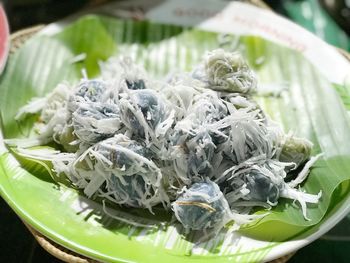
(304, 102)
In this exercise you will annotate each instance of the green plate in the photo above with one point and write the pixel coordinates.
(309, 98)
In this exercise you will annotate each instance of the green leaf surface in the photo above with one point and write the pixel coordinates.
(307, 104)
(89, 37)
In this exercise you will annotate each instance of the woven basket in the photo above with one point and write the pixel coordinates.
(64, 254)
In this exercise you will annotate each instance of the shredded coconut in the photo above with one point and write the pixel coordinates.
(197, 144)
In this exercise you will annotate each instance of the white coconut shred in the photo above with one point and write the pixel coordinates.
(197, 143)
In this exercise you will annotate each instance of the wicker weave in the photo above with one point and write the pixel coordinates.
(58, 251)
(17, 40)
(66, 255)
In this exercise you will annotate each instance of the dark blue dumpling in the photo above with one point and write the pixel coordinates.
(132, 189)
(128, 189)
(134, 85)
(83, 121)
(219, 139)
(261, 187)
(200, 159)
(152, 109)
(91, 90)
(218, 113)
(119, 158)
(197, 212)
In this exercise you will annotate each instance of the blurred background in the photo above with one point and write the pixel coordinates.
(328, 19)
